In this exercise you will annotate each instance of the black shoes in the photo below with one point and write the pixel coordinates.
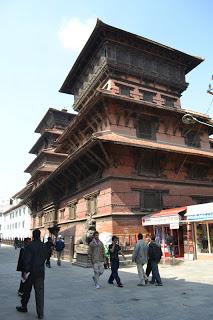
(158, 284)
(40, 317)
(21, 309)
(120, 285)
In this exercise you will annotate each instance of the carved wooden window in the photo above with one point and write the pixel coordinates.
(151, 199)
(72, 210)
(34, 222)
(146, 128)
(40, 220)
(202, 199)
(124, 90)
(192, 139)
(149, 165)
(197, 172)
(61, 214)
(147, 96)
(92, 205)
(169, 102)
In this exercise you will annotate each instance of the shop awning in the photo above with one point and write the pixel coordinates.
(169, 216)
(200, 212)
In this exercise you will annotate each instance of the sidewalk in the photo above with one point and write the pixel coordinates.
(70, 293)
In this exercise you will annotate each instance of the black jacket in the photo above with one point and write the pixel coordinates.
(154, 252)
(20, 266)
(34, 258)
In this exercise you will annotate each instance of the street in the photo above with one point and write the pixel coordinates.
(70, 293)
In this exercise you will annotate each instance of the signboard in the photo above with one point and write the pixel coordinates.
(174, 225)
(200, 216)
(153, 220)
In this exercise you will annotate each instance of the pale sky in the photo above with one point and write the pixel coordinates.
(41, 39)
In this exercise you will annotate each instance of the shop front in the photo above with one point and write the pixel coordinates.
(201, 218)
(168, 222)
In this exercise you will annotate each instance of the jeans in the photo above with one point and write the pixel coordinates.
(155, 272)
(170, 250)
(114, 272)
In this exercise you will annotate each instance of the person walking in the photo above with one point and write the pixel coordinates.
(59, 247)
(96, 254)
(139, 256)
(49, 247)
(155, 254)
(33, 260)
(114, 251)
(148, 266)
(170, 245)
(20, 266)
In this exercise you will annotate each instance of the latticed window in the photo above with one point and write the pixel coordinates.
(146, 129)
(124, 90)
(92, 205)
(40, 220)
(169, 102)
(197, 172)
(150, 200)
(62, 214)
(192, 139)
(149, 165)
(72, 211)
(148, 96)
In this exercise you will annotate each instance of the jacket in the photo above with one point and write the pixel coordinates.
(34, 258)
(154, 252)
(20, 266)
(139, 254)
(59, 245)
(96, 251)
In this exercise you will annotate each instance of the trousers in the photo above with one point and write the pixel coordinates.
(141, 274)
(38, 284)
(114, 272)
(98, 268)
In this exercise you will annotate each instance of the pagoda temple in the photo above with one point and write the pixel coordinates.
(127, 153)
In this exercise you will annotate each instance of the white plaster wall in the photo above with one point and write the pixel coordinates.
(16, 223)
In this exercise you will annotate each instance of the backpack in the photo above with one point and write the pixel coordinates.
(59, 246)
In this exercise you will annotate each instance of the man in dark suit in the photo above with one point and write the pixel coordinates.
(33, 260)
(20, 266)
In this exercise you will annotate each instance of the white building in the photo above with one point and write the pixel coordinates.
(16, 221)
(4, 204)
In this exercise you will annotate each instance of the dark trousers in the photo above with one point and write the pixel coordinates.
(148, 268)
(155, 272)
(38, 284)
(48, 261)
(21, 287)
(114, 272)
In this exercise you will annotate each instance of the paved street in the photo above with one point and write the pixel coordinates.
(70, 294)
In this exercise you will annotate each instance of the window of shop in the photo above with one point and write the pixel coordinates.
(204, 237)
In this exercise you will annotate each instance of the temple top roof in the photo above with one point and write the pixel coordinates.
(104, 32)
(54, 118)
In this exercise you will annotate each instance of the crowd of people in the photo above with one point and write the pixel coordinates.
(35, 254)
(144, 253)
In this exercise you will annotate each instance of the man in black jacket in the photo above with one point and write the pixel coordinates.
(155, 254)
(20, 266)
(33, 260)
